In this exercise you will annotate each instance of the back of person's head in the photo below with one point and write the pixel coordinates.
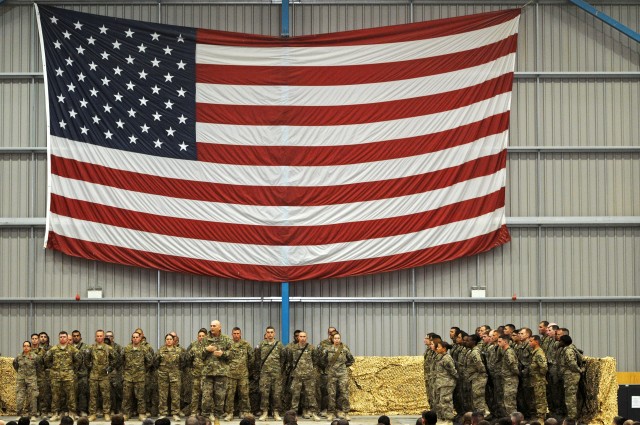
(466, 418)
(66, 420)
(429, 417)
(517, 418)
(476, 417)
(534, 423)
(24, 420)
(419, 421)
(12, 423)
(569, 421)
(618, 420)
(484, 422)
(504, 421)
(552, 421)
(82, 420)
(384, 419)
(335, 422)
(117, 419)
(202, 420)
(289, 417)
(191, 420)
(248, 420)
(163, 421)
(43, 422)
(343, 422)
(628, 422)
(147, 421)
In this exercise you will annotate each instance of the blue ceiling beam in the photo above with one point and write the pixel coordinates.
(607, 19)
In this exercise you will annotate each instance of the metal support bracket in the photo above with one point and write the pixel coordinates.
(607, 19)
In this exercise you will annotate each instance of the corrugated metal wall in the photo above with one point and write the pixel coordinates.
(572, 199)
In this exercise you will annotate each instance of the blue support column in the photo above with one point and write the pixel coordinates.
(284, 32)
(285, 312)
(607, 19)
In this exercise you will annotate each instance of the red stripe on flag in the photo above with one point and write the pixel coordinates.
(352, 154)
(276, 235)
(114, 254)
(389, 34)
(279, 195)
(352, 114)
(353, 74)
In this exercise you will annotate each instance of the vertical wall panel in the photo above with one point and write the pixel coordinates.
(521, 198)
(13, 317)
(14, 176)
(522, 126)
(14, 264)
(450, 279)
(17, 38)
(14, 112)
(186, 285)
(392, 284)
(591, 262)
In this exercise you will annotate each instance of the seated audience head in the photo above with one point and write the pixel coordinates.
(83, 420)
(429, 417)
(117, 419)
(384, 419)
(517, 418)
(66, 420)
(24, 420)
(551, 421)
(466, 418)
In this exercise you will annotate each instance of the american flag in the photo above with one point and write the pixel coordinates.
(277, 159)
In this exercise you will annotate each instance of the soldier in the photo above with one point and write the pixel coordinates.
(99, 359)
(150, 380)
(185, 377)
(509, 374)
(286, 391)
(27, 365)
(116, 374)
(432, 357)
(321, 382)
(462, 392)
(445, 376)
(338, 358)
(62, 360)
(169, 362)
(538, 378)
(477, 375)
(135, 362)
(426, 364)
(525, 390)
(82, 376)
(555, 385)
(240, 360)
(269, 362)
(194, 357)
(302, 359)
(215, 372)
(570, 368)
(44, 382)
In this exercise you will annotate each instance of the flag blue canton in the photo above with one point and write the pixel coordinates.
(121, 84)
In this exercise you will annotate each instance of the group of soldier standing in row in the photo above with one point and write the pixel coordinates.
(205, 378)
(501, 371)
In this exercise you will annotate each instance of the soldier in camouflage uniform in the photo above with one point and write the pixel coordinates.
(445, 376)
(302, 359)
(270, 362)
(432, 357)
(427, 359)
(82, 376)
(240, 362)
(44, 383)
(194, 358)
(462, 392)
(509, 374)
(115, 375)
(538, 378)
(99, 359)
(136, 360)
(321, 374)
(150, 381)
(62, 361)
(338, 358)
(286, 390)
(477, 375)
(215, 371)
(169, 362)
(571, 370)
(27, 365)
(185, 376)
(555, 395)
(525, 390)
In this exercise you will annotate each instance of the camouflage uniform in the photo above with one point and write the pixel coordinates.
(150, 383)
(338, 359)
(568, 363)
(169, 362)
(269, 362)
(445, 376)
(427, 362)
(538, 378)
(321, 376)
(44, 384)
(509, 375)
(303, 376)
(186, 381)
(240, 360)
(555, 394)
(215, 373)
(82, 381)
(477, 375)
(116, 378)
(99, 359)
(525, 396)
(135, 362)
(462, 393)
(194, 358)
(27, 367)
(62, 362)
